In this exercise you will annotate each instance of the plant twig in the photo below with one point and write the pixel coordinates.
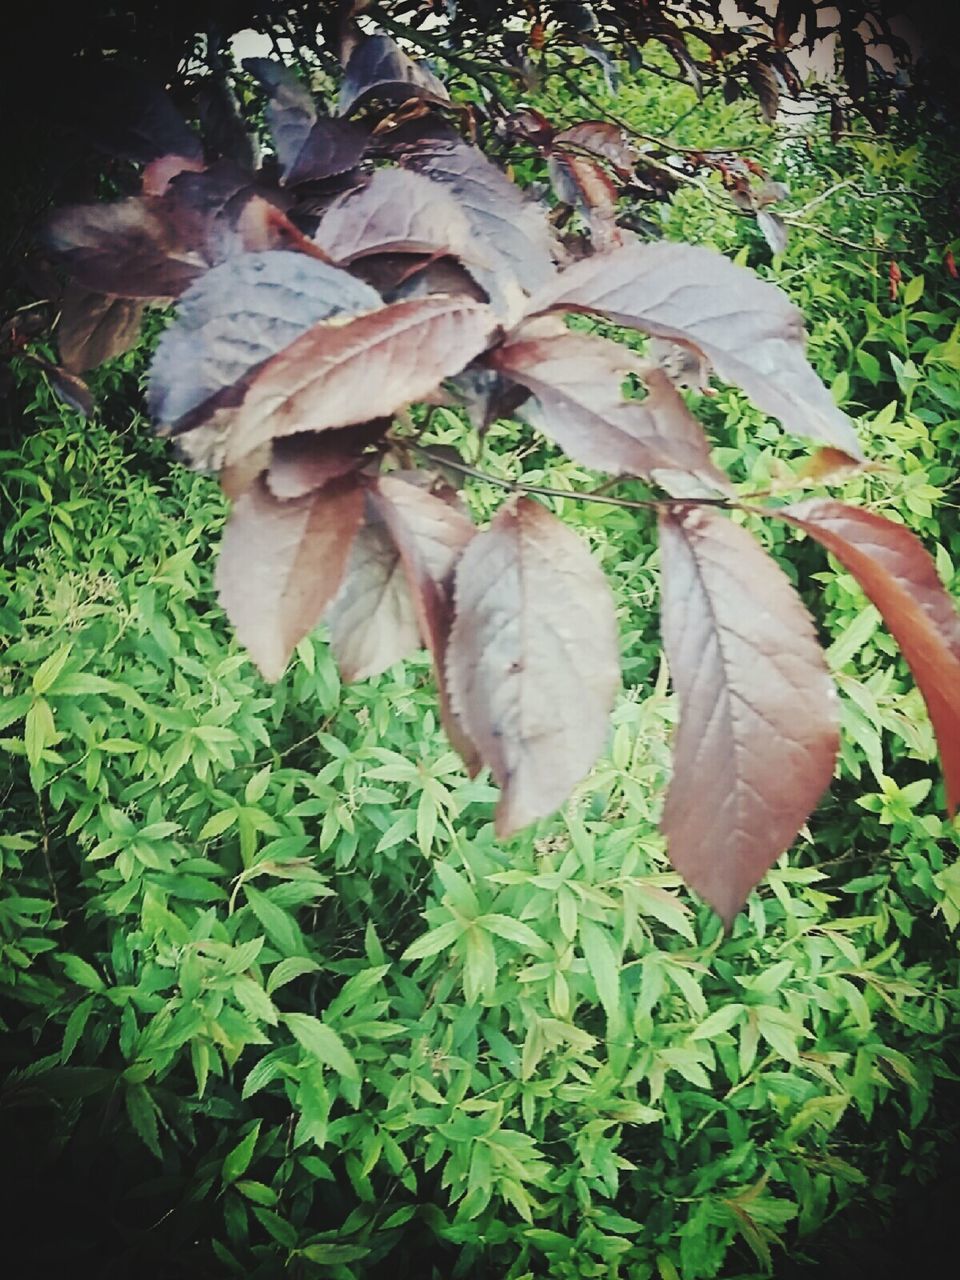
(578, 495)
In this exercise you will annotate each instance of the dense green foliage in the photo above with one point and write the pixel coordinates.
(274, 994)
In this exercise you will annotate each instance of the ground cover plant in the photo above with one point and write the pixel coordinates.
(271, 936)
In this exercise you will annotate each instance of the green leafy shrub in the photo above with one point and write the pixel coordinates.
(320, 1018)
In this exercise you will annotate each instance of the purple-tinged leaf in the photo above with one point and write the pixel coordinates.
(281, 563)
(432, 276)
(584, 184)
(499, 213)
(94, 327)
(402, 212)
(763, 81)
(354, 370)
(332, 147)
(237, 316)
(747, 328)
(532, 664)
(397, 211)
(897, 574)
(301, 464)
(373, 620)
(430, 535)
(125, 247)
(576, 380)
(290, 112)
(67, 387)
(757, 738)
(378, 68)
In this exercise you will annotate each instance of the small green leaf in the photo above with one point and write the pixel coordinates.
(720, 1020)
(437, 940)
(513, 930)
(40, 731)
(218, 824)
(143, 1116)
(281, 928)
(237, 1161)
(82, 972)
(603, 963)
(282, 1231)
(913, 291)
(289, 969)
(256, 788)
(323, 1043)
(46, 674)
(332, 1254)
(258, 1193)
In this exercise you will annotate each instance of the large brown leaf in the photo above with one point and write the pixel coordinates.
(373, 620)
(576, 380)
(300, 464)
(125, 247)
(757, 737)
(533, 662)
(281, 563)
(238, 315)
(430, 535)
(378, 68)
(401, 212)
(290, 111)
(396, 212)
(897, 574)
(94, 327)
(497, 209)
(340, 373)
(307, 149)
(747, 328)
(332, 147)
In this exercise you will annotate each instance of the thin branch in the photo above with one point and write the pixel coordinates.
(578, 495)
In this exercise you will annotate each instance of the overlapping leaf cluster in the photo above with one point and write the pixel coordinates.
(393, 263)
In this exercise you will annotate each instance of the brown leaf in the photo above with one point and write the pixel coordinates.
(603, 139)
(124, 247)
(67, 387)
(378, 68)
(430, 535)
(533, 663)
(757, 737)
(898, 575)
(331, 147)
(290, 112)
(340, 373)
(583, 183)
(281, 563)
(396, 212)
(237, 316)
(401, 212)
(373, 620)
(827, 466)
(763, 81)
(576, 380)
(498, 211)
(300, 464)
(747, 328)
(94, 327)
